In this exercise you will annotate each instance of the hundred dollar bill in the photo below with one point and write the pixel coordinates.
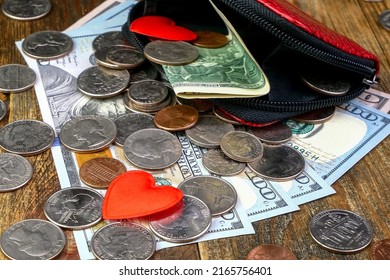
(376, 99)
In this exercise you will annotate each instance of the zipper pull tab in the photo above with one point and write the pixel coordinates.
(373, 82)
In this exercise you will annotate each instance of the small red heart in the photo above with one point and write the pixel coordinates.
(134, 194)
(162, 28)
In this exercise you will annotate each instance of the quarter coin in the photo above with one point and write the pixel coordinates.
(170, 52)
(108, 39)
(380, 249)
(144, 72)
(148, 93)
(26, 10)
(276, 133)
(176, 117)
(216, 162)
(16, 78)
(270, 252)
(100, 56)
(210, 39)
(316, 116)
(16, 171)
(125, 58)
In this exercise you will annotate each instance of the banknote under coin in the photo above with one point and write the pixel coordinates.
(16, 78)
(26, 10)
(16, 171)
(216, 162)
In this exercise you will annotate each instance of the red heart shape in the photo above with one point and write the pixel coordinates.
(135, 194)
(162, 28)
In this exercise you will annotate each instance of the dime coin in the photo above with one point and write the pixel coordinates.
(125, 58)
(99, 172)
(152, 149)
(26, 10)
(341, 231)
(3, 110)
(74, 208)
(16, 171)
(241, 146)
(384, 19)
(89, 133)
(316, 116)
(47, 44)
(123, 241)
(101, 82)
(26, 137)
(216, 162)
(185, 222)
(33, 239)
(16, 78)
(276, 133)
(270, 252)
(380, 249)
(170, 52)
(279, 163)
(108, 39)
(210, 39)
(176, 117)
(218, 194)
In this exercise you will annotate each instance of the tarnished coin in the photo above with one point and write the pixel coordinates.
(316, 116)
(74, 208)
(276, 133)
(109, 39)
(33, 239)
(152, 149)
(176, 117)
(26, 10)
(202, 105)
(210, 39)
(123, 241)
(100, 172)
(270, 252)
(16, 78)
(148, 93)
(340, 231)
(384, 19)
(47, 45)
(380, 249)
(208, 131)
(89, 133)
(26, 137)
(3, 110)
(218, 194)
(125, 58)
(130, 123)
(279, 163)
(15, 172)
(241, 146)
(225, 117)
(216, 162)
(185, 222)
(144, 72)
(101, 82)
(170, 52)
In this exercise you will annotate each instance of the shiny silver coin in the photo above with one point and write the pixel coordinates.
(101, 82)
(144, 72)
(384, 19)
(74, 208)
(152, 149)
(123, 241)
(170, 52)
(316, 116)
(26, 10)
(108, 39)
(208, 131)
(184, 222)
(16, 78)
(278, 163)
(26, 137)
(129, 123)
(341, 231)
(216, 162)
(126, 58)
(15, 172)
(33, 239)
(85, 134)
(218, 194)
(241, 146)
(47, 45)
(148, 93)
(3, 110)
(273, 134)
(100, 56)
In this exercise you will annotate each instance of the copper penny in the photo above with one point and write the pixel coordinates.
(210, 39)
(176, 117)
(270, 252)
(380, 250)
(99, 172)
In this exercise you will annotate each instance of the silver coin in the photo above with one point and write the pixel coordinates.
(100, 56)
(152, 149)
(74, 208)
(241, 146)
(26, 10)
(216, 162)
(126, 58)
(33, 239)
(15, 172)
(123, 241)
(85, 134)
(109, 39)
(16, 78)
(26, 137)
(341, 231)
(384, 19)
(208, 131)
(170, 52)
(279, 163)
(148, 93)
(130, 123)
(101, 82)
(3, 110)
(184, 222)
(218, 194)
(144, 72)
(276, 133)
(47, 45)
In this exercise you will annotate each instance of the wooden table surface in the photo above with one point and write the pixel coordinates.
(363, 189)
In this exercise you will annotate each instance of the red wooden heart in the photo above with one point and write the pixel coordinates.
(162, 28)
(134, 194)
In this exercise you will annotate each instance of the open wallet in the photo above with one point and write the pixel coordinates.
(308, 66)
